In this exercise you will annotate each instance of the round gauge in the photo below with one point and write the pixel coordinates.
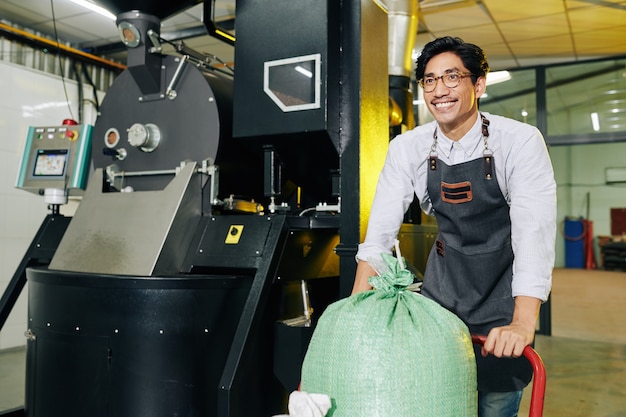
(129, 34)
(111, 138)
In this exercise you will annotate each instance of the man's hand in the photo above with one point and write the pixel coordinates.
(363, 272)
(510, 341)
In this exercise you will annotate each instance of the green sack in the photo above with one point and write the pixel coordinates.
(391, 352)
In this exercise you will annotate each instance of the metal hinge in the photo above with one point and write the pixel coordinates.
(30, 336)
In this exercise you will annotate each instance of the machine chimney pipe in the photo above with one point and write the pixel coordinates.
(134, 28)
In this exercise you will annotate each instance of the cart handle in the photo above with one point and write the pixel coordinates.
(539, 380)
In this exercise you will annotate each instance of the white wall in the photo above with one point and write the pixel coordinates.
(29, 98)
(579, 172)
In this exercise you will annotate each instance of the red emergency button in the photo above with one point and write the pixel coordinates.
(71, 134)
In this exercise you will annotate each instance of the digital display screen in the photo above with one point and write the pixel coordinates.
(50, 162)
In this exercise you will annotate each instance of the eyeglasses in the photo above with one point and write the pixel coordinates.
(450, 80)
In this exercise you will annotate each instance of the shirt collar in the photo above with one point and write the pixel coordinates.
(469, 143)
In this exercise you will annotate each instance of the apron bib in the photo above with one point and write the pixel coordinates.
(469, 269)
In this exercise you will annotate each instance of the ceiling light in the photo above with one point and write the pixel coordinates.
(614, 175)
(95, 8)
(595, 122)
(498, 77)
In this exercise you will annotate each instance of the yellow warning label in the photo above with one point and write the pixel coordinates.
(234, 234)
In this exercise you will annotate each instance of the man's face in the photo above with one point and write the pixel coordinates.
(454, 108)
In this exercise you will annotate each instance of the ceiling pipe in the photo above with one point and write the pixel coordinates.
(402, 16)
(402, 27)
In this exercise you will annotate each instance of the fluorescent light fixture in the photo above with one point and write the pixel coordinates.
(95, 8)
(615, 175)
(498, 77)
(595, 122)
(304, 71)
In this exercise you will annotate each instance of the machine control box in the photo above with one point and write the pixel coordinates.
(56, 157)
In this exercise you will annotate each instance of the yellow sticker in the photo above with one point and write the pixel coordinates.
(234, 234)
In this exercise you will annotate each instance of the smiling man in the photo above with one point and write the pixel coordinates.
(489, 182)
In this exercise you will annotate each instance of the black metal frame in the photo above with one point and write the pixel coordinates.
(39, 253)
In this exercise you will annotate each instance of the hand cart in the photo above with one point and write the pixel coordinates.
(539, 377)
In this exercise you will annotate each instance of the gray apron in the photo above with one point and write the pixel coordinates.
(469, 269)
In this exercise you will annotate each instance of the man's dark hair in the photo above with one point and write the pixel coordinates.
(472, 56)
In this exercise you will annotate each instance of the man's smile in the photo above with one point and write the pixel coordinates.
(444, 104)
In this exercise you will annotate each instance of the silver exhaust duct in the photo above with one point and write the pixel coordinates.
(402, 24)
(402, 34)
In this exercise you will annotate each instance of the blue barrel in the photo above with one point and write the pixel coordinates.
(574, 233)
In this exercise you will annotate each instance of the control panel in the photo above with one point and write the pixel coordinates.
(56, 157)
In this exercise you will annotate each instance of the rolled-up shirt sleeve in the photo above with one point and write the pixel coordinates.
(532, 198)
(394, 193)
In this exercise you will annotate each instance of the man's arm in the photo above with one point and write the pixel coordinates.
(512, 339)
(532, 192)
(363, 272)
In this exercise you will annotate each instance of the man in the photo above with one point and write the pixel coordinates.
(489, 182)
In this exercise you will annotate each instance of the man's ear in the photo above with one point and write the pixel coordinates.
(480, 87)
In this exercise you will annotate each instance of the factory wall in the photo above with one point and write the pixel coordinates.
(582, 188)
(29, 98)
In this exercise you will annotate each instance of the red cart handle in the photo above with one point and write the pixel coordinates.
(539, 379)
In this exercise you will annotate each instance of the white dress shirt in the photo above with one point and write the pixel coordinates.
(525, 177)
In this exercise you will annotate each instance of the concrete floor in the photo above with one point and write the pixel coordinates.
(585, 358)
(12, 378)
(583, 378)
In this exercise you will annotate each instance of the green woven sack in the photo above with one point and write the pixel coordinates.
(390, 352)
